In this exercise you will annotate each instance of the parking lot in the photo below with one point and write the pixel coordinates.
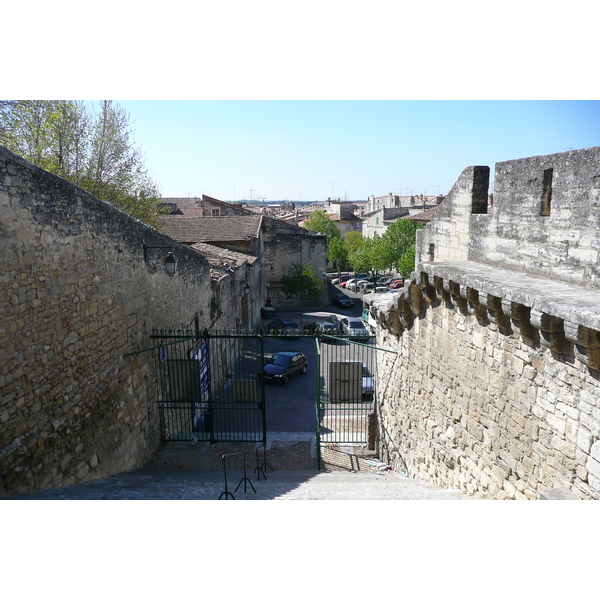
(291, 407)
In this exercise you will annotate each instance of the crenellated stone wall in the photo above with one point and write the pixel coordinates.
(495, 387)
(78, 295)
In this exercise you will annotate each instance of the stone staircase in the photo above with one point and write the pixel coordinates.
(195, 472)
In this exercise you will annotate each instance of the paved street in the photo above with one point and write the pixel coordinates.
(291, 407)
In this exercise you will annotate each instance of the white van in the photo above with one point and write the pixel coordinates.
(369, 321)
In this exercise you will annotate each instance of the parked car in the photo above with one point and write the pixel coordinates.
(283, 365)
(283, 327)
(267, 310)
(346, 282)
(339, 281)
(368, 287)
(327, 328)
(355, 286)
(333, 319)
(342, 301)
(311, 328)
(354, 328)
(369, 322)
(396, 283)
(385, 280)
(368, 384)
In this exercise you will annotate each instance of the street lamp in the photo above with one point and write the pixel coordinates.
(170, 260)
(171, 264)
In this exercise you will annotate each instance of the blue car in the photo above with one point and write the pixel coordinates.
(342, 301)
(283, 365)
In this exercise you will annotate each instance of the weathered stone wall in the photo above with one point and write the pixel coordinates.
(495, 388)
(76, 296)
(544, 220)
(284, 246)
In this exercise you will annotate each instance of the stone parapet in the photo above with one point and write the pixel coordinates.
(496, 388)
(560, 313)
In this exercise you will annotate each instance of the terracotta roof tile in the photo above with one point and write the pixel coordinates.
(189, 230)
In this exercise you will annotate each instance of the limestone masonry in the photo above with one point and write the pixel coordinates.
(78, 293)
(492, 386)
(495, 385)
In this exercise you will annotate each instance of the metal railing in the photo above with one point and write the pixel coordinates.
(259, 470)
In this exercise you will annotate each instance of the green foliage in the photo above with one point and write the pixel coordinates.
(337, 253)
(95, 151)
(398, 245)
(368, 257)
(302, 283)
(320, 222)
(352, 242)
(395, 249)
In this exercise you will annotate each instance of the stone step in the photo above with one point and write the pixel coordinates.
(201, 484)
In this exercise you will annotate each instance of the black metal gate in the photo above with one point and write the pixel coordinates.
(346, 394)
(208, 388)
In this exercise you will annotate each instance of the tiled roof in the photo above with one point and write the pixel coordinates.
(220, 259)
(189, 230)
(423, 216)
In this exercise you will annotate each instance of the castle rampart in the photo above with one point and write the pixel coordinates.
(495, 388)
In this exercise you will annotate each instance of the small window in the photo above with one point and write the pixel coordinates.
(216, 212)
(546, 193)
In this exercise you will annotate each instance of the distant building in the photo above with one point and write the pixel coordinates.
(275, 244)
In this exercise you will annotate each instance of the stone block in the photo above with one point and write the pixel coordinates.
(558, 494)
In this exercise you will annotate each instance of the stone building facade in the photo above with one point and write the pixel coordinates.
(495, 384)
(276, 244)
(83, 286)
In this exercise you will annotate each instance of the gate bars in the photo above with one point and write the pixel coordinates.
(208, 387)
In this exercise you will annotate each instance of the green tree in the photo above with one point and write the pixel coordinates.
(337, 253)
(94, 151)
(302, 283)
(352, 242)
(365, 257)
(320, 222)
(398, 246)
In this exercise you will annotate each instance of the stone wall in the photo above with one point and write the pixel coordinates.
(544, 220)
(495, 387)
(78, 293)
(286, 245)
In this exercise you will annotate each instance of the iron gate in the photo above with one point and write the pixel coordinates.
(208, 388)
(346, 394)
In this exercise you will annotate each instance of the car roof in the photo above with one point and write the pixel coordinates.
(288, 353)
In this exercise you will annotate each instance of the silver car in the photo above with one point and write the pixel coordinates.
(368, 385)
(354, 328)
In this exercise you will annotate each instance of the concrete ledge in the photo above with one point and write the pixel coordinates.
(558, 494)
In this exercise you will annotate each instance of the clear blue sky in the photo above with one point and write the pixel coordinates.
(310, 150)
(306, 100)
